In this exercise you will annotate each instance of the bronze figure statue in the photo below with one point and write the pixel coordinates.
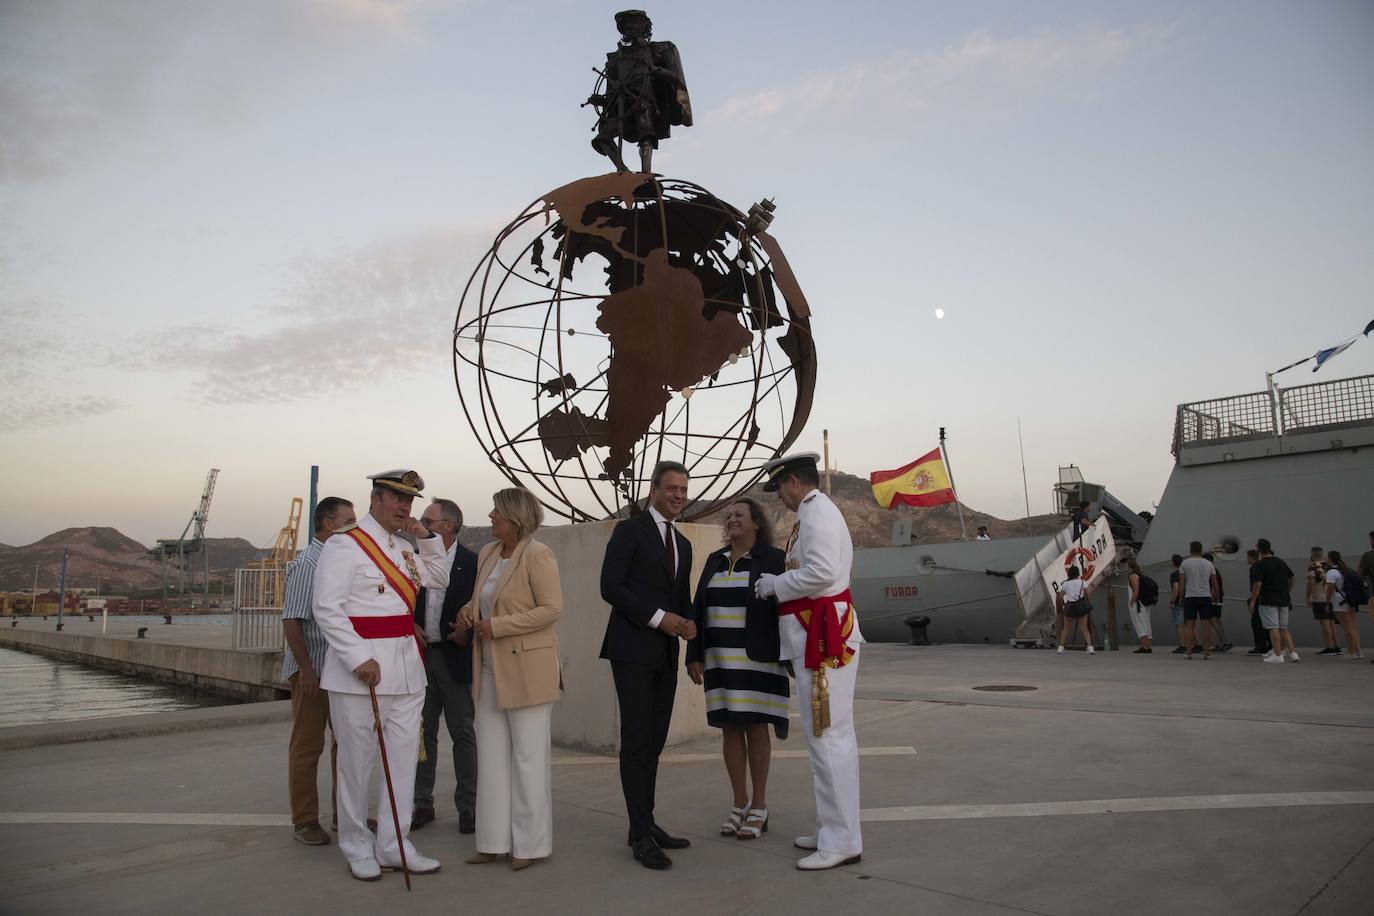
(642, 92)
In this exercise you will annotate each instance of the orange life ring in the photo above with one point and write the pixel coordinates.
(1089, 557)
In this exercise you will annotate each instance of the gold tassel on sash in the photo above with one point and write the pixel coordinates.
(820, 702)
(420, 755)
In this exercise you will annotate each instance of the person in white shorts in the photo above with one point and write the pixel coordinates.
(1271, 582)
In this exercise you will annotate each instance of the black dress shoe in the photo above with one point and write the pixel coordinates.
(662, 839)
(421, 816)
(467, 823)
(667, 841)
(649, 855)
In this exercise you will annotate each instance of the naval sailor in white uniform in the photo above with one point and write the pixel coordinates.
(813, 602)
(364, 600)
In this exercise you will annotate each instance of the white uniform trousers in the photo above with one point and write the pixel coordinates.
(1140, 620)
(834, 759)
(514, 785)
(351, 715)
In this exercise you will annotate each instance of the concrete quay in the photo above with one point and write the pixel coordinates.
(200, 656)
(1122, 784)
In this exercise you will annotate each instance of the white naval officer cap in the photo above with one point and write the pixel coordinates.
(402, 480)
(778, 468)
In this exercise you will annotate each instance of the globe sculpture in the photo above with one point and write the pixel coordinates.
(625, 319)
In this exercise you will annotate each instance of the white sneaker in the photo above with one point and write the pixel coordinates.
(417, 864)
(1272, 659)
(1293, 657)
(819, 861)
(1091, 650)
(365, 869)
(805, 842)
(1268, 655)
(1060, 650)
(1356, 655)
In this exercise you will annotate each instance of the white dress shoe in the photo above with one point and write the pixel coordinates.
(805, 842)
(365, 869)
(416, 863)
(819, 861)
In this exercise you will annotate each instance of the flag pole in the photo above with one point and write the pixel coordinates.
(1024, 488)
(949, 469)
(825, 437)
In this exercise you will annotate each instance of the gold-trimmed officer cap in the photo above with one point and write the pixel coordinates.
(403, 481)
(779, 467)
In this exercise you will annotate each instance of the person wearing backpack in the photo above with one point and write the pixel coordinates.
(1144, 596)
(1346, 593)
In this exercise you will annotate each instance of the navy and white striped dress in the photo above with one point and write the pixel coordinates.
(739, 690)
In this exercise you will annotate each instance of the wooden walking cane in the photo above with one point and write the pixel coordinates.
(391, 793)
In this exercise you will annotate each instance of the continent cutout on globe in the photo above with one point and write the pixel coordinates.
(661, 341)
(672, 320)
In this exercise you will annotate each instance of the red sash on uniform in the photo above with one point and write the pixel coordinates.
(398, 580)
(824, 630)
(393, 626)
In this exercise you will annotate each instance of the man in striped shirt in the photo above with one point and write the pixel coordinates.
(301, 666)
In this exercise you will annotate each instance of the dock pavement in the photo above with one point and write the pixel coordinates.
(1120, 784)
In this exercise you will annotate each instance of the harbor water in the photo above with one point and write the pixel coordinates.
(38, 690)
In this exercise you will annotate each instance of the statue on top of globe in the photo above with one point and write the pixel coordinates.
(626, 318)
(641, 94)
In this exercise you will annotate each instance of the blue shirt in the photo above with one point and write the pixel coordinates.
(300, 588)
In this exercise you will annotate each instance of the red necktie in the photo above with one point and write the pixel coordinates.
(668, 542)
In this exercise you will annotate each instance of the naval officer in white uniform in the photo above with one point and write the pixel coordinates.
(365, 587)
(820, 555)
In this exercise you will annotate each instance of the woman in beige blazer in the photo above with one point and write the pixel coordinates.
(515, 681)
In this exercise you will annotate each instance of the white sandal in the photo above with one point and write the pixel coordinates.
(732, 823)
(754, 826)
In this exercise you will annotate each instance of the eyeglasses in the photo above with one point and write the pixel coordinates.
(430, 522)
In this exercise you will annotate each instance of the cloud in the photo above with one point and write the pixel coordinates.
(382, 312)
(32, 408)
(81, 79)
(980, 73)
(32, 356)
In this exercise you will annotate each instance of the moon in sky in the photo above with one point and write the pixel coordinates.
(939, 313)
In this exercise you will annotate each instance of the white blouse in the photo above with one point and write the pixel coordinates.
(484, 609)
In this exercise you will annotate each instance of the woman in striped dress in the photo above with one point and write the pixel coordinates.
(735, 654)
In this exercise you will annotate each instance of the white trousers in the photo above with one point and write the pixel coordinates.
(834, 759)
(514, 786)
(1140, 620)
(351, 715)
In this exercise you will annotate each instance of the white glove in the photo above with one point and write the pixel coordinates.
(766, 587)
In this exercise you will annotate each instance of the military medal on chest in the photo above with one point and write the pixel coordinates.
(412, 571)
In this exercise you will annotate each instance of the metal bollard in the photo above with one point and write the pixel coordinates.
(142, 632)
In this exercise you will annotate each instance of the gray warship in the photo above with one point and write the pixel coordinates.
(1294, 465)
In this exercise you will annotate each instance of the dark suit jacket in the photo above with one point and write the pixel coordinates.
(761, 614)
(635, 583)
(460, 582)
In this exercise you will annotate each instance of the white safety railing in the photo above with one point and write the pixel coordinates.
(258, 597)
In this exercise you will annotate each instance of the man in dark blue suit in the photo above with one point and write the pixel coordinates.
(645, 580)
(448, 665)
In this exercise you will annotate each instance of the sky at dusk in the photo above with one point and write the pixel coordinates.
(235, 235)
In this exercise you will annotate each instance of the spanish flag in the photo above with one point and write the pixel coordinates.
(924, 482)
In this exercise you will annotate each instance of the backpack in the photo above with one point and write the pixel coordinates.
(1353, 589)
(1149, 590)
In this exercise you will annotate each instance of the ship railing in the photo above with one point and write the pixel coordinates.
(1337, 404)
(258, 596)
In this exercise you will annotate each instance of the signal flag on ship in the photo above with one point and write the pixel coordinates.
(923, 482)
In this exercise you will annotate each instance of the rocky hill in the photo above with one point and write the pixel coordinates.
(118, 562)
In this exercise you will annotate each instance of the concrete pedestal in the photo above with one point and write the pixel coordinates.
(587, 716)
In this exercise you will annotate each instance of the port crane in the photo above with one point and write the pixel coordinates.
(180, 553)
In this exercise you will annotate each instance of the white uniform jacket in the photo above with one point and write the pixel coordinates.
(349, 584)
(823, 555)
